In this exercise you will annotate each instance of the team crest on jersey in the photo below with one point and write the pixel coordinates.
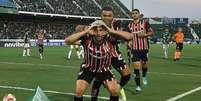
(9, 97)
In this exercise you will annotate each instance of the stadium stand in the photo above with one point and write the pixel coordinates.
(197, 29)
(72, 7)
(16, 30)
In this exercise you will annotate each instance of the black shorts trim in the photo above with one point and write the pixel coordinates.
(119, 63)
(89, 76)
(139, 55)
(179, 46)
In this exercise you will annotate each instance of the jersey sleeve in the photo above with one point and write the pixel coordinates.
(84, 39)
(128, 28)
(148, 27)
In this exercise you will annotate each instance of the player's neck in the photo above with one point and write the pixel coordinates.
(136, 21)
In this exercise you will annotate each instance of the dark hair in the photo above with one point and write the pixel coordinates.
(107, 8)
(136, 10)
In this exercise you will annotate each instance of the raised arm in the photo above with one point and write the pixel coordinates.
(72, 39)
(123, 34)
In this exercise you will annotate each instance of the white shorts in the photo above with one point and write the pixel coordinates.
(26, 45)
(74, 46)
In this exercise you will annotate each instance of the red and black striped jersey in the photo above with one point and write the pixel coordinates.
(139, 43)
(115, 39)
(97, 58)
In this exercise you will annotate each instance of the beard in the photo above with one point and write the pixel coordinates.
(98, 40)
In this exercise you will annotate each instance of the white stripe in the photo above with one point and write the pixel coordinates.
(176, 74)
(48, 91)
(31, 64)
(53, 92)
(184, 94)
(74, 67)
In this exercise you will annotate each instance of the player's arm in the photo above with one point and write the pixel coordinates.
(77, 43)
(149, 31)
(76, 37)
(123, 34)
(173, 38)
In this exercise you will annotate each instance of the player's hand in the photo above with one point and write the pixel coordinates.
(89, 30)
(110, 30)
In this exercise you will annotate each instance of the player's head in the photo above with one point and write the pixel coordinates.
(100, 33)
(135, 14)
(41, 31)
(107, 15)
(166, 30)
(180, 29)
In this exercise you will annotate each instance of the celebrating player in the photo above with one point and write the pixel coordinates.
(140, 31)
(117, 61)
(98, 49)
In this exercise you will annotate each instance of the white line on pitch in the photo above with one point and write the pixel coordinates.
(74, 67)
(191, 75)
(184, 94)
(48, 91)
(53, 92)
(32, 64)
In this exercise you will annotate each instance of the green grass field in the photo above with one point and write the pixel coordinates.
(167, 78)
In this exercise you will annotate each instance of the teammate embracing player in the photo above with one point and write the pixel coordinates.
(117, 61)
(99, 50)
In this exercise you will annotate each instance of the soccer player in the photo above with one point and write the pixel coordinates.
(77, 47)
(98, 51)
(129, 53)
(27, 44)
(72, 47)
(40, 36)
(140, 30)
(117, 61)
(179, 38)
(165, 41)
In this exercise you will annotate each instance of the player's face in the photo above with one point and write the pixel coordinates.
(100, 32)
(107, 17)
(180, 29)
(166, 30)
(135, 15)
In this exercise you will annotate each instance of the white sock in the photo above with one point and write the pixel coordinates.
(24, 52)
(41, 56)
(69, 54)
(78, 54)
(82, 53)
(28, 52)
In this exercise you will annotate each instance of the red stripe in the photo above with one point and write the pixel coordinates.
(95, 59)
(106, 67)
(145, 43)
(134, 43)
(140, 39)
(135, 38)
(145, 39)
(87, 53)
(102, 54)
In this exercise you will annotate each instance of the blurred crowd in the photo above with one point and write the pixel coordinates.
(16, 30)
(70, 7)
